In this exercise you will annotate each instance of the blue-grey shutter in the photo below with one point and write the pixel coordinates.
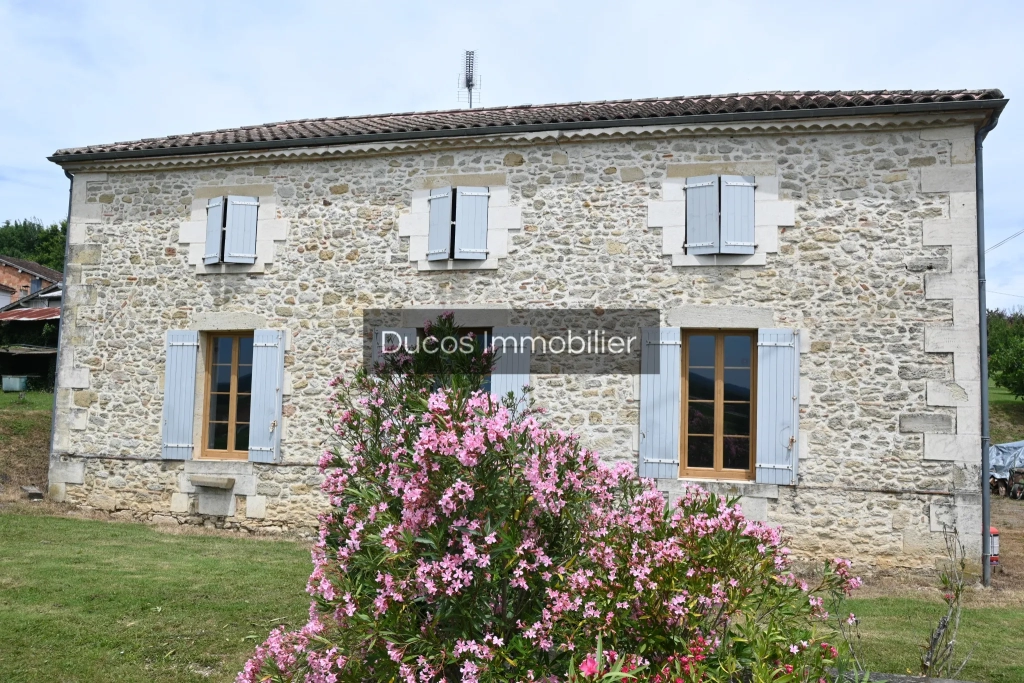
(393, 337)
(702, 215)
(660, 391)
(778, 405)
(737, 214)
(240, 233)
(439, 238)
(511, 370)
(214, 223)
(267, 395)
(179, 394)
(471, 223)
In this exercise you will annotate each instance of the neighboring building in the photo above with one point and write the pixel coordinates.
(20, 278)
(47, 297)
(28, 344)
(813, 257)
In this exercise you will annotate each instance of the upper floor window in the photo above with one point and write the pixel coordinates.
(231, 230)
(720, 215)
(458, 224)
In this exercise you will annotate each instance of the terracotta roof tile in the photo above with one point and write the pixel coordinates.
(310, 130)
(32, 267)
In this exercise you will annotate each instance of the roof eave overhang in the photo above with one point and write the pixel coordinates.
(993, 106)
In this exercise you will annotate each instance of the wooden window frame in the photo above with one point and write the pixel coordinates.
(718, 471)
(207, 453)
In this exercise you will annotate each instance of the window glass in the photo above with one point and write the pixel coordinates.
(718, 429)
(229, 390)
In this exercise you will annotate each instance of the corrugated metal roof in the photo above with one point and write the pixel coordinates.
(441, 123)
(23, 314)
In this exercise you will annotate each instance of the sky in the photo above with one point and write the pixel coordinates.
(89, 72)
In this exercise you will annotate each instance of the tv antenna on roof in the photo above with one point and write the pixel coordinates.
(469, 81)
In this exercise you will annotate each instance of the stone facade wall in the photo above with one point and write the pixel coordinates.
(875, 270)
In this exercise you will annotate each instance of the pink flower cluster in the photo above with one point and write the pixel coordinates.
(467, 542)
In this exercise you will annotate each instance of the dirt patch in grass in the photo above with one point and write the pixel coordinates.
(1006, 421)
(24, 449)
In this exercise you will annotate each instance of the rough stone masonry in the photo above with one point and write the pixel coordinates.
(867, 246)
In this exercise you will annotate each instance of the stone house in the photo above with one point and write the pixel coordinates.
(812, 258)
(21, 278)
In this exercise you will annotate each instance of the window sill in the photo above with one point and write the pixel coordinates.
(452, 264)
(691, 261)
(723, 487)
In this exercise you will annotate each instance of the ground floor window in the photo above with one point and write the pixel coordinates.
(718, 404)
(229, 387)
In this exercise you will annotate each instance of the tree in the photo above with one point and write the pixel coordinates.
(1006, 349)
(31, 240)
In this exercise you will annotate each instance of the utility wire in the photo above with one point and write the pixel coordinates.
(992, 291)
(999, 244)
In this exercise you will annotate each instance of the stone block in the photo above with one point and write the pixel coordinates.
(499, 196)
(805, 391)
(211, 482)
(216, 502)
(767, 187)
(73, 378)
(673, 190)
(272, 228)
(85, 254)
(420, 201)
(497, 243)
(212, 191)
(930, 423)
(697, 316)
(672, 239)
(754, 509)
(631, 174)
(504, 218)
(950, 340)
(965, 312)
(67, 472)
(964, 206)
(102, 502)
(942, 516)
(965, 262)
(940, 232)
(767, 238)
(77, 233)
(754, 168)
(960, 178)
(950, 285)
(164, 520)
(418, 247)
(952, 393)
(256, 507)
(57, 492)
(191, 232)
(180, 502)
(774, 213)
(665, 214)
(215, 321)
(78, 419)
(968, 420)
(690, 261)
(413, 224)
(456, 179)
(967, 366)
(952, 447)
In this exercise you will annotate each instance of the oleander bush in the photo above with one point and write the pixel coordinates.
(467, 541)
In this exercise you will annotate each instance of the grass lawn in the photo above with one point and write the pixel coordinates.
(1006, 415)
(84, 601)
(24, 439)
(892, 628)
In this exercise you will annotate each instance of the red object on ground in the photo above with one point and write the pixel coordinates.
(993, 546)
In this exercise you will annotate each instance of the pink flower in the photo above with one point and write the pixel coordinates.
(589, 666)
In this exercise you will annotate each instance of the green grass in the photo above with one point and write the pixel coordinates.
(1006, 415)
(84, 601)
(34, 400)
(893, 628)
